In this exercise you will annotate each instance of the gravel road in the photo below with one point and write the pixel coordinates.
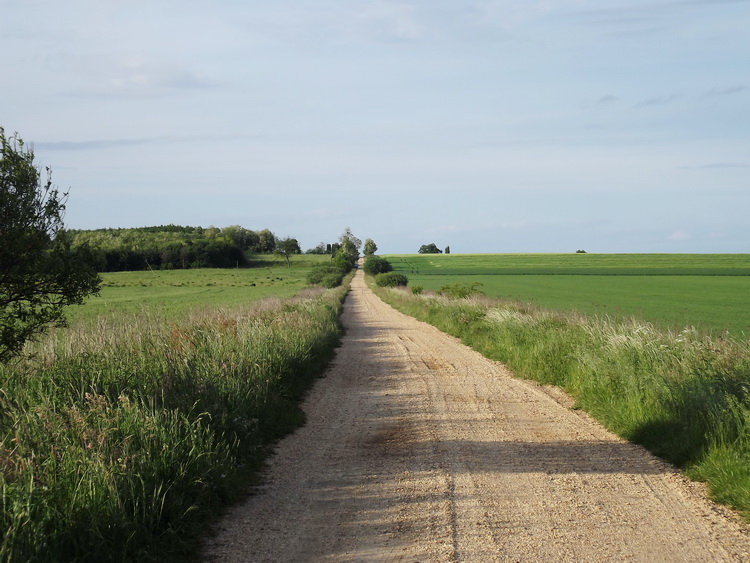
(417, 448)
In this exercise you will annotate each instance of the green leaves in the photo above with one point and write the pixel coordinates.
(39, 273)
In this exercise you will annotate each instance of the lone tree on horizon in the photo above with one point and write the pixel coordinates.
(429, 249)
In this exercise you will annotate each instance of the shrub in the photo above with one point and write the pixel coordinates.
(391, 279)
(417, 289)
(375, 265)
(327, 275)
(460, 290)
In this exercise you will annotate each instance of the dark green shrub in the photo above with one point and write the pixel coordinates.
(391, 279)
(375, 265)
(327, 275)
(417, 289)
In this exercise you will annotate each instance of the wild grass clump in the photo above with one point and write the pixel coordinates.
(683, 395)
(117, 436)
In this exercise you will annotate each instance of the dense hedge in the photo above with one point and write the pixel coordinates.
(172, 247)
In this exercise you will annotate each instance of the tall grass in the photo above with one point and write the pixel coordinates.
(683, 395)
(118, 435)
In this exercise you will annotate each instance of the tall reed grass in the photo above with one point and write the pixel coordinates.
(117, 436)
(684, 396)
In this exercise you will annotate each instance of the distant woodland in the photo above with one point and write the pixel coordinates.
(175, 247)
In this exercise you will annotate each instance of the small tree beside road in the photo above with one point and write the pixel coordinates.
(39, 272)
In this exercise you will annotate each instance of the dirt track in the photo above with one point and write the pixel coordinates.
(419, 449)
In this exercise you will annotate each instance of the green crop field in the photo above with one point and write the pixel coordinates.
(708, 291)
(172, 292)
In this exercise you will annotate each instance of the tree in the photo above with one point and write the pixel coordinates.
(266, 241)
(429, 249)
(447, 250)
(347, 253)
(348, 235)
(370, 247)
(39, 272)
(320, 249)
(286, 247)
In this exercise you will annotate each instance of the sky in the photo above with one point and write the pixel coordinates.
(483, 125)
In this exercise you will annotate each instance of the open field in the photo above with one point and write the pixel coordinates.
(120, 433)
(173, 292)
(710, 292)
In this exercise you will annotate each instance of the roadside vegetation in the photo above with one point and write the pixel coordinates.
(710, 292)
(119, 434)
(683, 395)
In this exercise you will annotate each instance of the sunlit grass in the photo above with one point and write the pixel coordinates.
(118, 433)
(710, 292)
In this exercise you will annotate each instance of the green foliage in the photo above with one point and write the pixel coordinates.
(429, 249)
(684, 396)
(391, 279)
(417, 289)
(708, 291)
(376, 265)
(120, 434)
(349, 237)
(174, 247)
(322, 248)
(370, 247)
(287, 247)
(460, 290)
(39, 272)
(347, 253)
(328, 275)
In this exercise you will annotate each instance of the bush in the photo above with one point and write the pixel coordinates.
(375, 265)
(460, 290)
(327, 275)
(391, 279)
(417, 289)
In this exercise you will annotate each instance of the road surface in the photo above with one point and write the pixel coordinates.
(417, 448)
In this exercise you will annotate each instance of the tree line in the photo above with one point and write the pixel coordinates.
(170, 247)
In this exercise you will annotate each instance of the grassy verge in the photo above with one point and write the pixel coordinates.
(710, 292)
(120, 434)
(684, 396)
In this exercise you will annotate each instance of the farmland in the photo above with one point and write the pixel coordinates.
(119, 433)
(710, 292)
(175, 292)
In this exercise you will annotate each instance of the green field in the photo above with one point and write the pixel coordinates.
(708, 291)
(121, 435)
(173, 292)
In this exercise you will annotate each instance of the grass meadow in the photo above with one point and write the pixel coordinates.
(681, 392)
(710, 292)
(122, 434)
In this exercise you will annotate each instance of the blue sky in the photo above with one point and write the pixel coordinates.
(485, 125)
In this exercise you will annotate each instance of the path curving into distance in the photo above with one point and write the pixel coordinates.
(417, 448)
